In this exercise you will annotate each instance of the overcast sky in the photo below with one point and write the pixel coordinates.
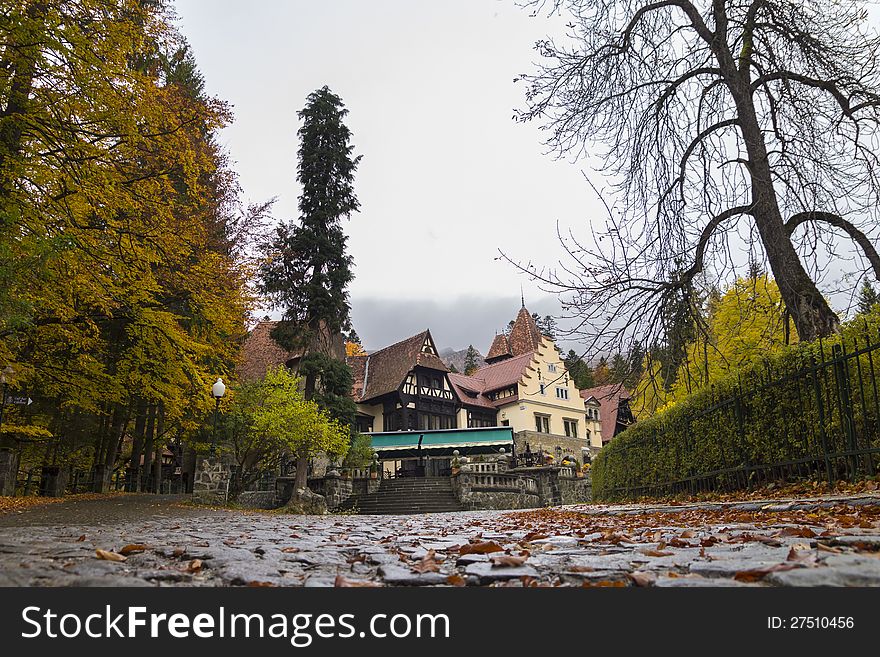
(447, 177)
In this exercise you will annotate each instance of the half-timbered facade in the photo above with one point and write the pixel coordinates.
(404, 387)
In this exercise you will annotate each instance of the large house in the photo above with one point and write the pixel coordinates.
(524, 386)
(522, 400)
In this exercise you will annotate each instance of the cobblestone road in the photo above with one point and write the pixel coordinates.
(803, 543)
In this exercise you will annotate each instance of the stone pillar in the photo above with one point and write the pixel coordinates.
(211, 483)
(8, 471)
(53, 480)
(336, 489)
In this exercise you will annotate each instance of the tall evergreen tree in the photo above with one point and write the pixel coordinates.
(470, 360)
(308, 270)
(868, 298)
(546, 325)
(580, 372)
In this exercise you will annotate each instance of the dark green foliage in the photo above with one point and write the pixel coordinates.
(470, 360)
(580, 372)
(333, 385)
(308, 270)
(546, 325)
(736, 433)
(867, 298)
(360, 454)
(679, 330)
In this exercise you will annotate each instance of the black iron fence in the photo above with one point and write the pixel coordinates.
(811, 413)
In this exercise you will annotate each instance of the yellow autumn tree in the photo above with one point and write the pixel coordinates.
(122, 294)
(744, 324)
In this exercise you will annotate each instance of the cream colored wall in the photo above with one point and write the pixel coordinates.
(595, 427)
(376, 412)
(521, 413)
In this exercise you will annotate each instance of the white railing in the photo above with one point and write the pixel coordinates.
(481, 467)
(525, 484)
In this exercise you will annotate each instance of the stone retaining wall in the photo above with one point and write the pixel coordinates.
(257, 499)
(520, 488)
(576, 490)
(211, 482)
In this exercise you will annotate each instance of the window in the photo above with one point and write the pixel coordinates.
(542, 423)
(551, 368)
(571, 428)
(562, 393)
(543, 392)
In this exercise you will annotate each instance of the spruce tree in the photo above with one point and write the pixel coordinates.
(308, 270)
(867, 298)
(470, 360)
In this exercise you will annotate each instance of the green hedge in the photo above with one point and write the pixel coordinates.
(794, 414)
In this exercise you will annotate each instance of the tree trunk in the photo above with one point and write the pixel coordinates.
(302, 473)
(160, 449)
(118, 437)
(140, 424)
(23, 62)
(148, 448)
(813, 317)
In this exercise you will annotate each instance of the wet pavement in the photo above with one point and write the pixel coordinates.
(827, 541)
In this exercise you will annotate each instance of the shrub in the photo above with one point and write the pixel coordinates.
(812, 410)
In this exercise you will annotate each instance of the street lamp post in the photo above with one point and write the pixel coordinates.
(217, 391)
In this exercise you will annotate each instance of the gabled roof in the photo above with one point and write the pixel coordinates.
(500, 348)
(504, 373)
(260, 352)
(609, 397)
(469, 390)
(385, 370)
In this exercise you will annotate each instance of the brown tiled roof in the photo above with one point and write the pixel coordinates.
(500, 348)
(461, 384)
(260, 352)
(358, 365)
(504, 373)
(385, 369)
(524, 336)
(609, 397)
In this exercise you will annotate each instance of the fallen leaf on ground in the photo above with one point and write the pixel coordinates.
(603, 583)
(800, 532)
(132, 548)
(194, 566)
(258, 584)
(290, 550)
(655, 553)
(641, 578)
(486, 547)
(806, 558)
(757, 574)
(507, 561)
(827, 548)
(427, 564)
(341, 582)
(107, 555)
(81, 538)
(456, 580)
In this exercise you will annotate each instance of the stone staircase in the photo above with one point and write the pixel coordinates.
(406, 496)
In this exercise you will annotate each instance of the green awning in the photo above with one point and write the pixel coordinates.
(442, 438)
